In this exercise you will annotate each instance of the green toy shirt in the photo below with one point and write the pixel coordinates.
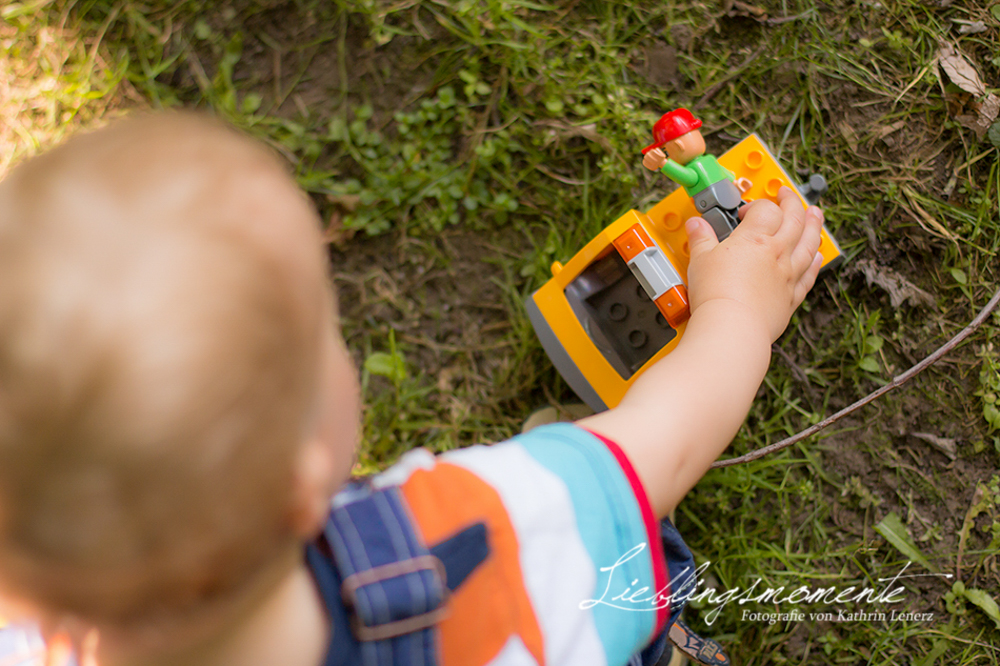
(697, 174)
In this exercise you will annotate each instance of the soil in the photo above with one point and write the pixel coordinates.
(454, 317)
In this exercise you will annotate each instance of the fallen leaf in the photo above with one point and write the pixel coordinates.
(849, 135)
(885, 130)
(970, 27)
(945, 445)
(900, 289)
(981, 116)
(335, 232)
(739, 8)
(349, 202)
(561, 131)
(894, 531)
(960, 71)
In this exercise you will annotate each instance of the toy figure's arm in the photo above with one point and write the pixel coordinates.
(679, 173)
(655, 160)
(683, 412)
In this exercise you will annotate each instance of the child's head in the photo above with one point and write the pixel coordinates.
(175, 402)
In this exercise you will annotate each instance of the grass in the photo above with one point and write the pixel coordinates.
(457, 149)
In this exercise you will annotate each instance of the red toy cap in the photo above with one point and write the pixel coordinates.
(672, 125)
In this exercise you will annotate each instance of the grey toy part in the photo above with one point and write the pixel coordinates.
(722, 222)
(723, 194)
(718, 204)
(617, 314)
(560, 358)
(654, 272)
(813, 189)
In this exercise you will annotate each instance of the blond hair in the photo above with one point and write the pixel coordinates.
(162, 301)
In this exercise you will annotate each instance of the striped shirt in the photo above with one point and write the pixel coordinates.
(575, 574)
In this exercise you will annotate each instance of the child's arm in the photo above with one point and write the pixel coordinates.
(683, 412)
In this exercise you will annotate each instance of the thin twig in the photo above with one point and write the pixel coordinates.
(895, 383)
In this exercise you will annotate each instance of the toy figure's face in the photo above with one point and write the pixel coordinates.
(686, 147)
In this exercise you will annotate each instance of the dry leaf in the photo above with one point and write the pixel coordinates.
(348, 202)
(960, 71)
(899, 288)
(335, 232)
(739, 8)
(981, 115)
(945, 445)
(885, 130)
(559, 130)
(849, 135)
(970, 27)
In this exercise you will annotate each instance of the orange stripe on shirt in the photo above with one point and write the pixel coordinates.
(491, 604)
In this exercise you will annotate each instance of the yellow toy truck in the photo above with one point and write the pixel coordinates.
(620, 304)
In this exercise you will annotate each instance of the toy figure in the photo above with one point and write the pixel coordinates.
(716, 192)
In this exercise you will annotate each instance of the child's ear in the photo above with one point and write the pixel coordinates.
(312, 482)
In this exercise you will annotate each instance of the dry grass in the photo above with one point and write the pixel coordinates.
(54, 79)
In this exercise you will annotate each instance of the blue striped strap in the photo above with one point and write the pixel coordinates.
(393, 586)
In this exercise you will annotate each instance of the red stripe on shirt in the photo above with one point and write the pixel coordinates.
(652, 530)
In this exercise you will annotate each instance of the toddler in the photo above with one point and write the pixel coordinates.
(177, 408)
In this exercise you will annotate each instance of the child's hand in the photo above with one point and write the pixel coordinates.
(681, 413)
(767, 264)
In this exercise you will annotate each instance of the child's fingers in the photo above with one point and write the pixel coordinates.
(808, 244)
(701, 236)
(793, 218)
(761, 216)
(807, 280)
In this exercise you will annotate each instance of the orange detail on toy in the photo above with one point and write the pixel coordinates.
(674, 305)
(632, 242)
